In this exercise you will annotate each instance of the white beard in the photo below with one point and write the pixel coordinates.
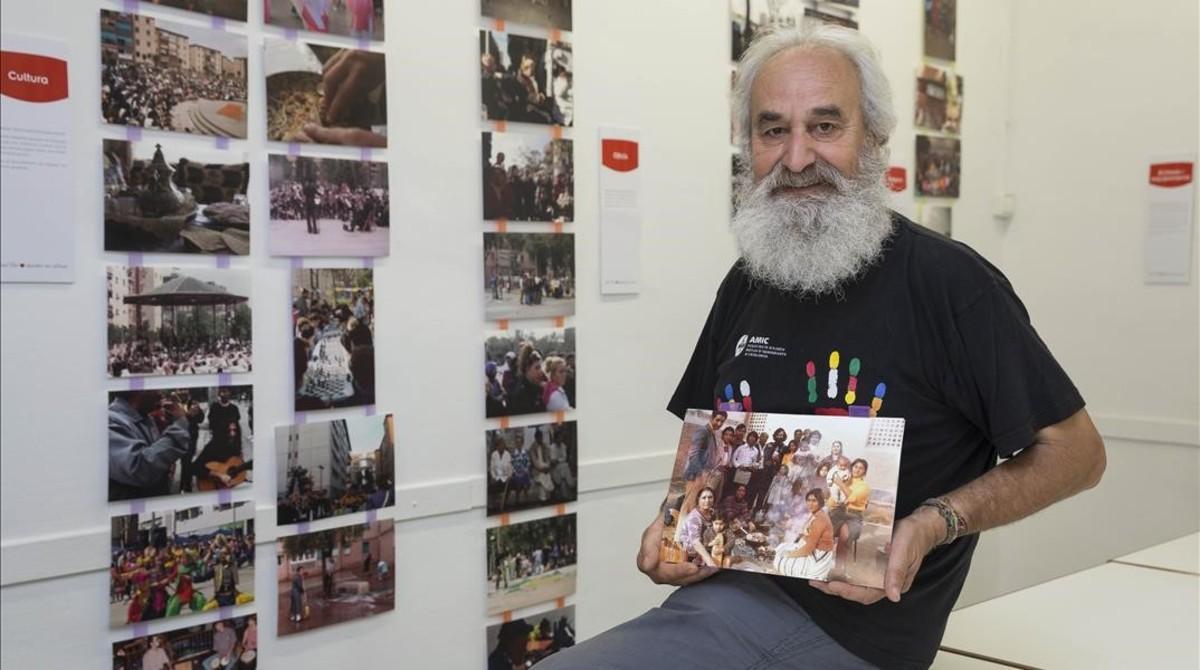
(812, 245)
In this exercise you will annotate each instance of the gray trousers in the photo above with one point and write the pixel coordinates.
(731, 621)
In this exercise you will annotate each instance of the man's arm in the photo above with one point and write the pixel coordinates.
(1065, 458)
(131, 460)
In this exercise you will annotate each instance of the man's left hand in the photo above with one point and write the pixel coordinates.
(914, 537)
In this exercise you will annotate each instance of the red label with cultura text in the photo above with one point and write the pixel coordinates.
(897, 178)
(32, 78)
(1171, 174)
(619, 155)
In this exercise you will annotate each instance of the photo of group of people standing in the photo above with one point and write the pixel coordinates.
(328, 207)
(333, 316)
(531, 466)
(793, 495)
(528, 178)
(530, 563)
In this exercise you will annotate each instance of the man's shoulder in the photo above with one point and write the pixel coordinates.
(945, 265)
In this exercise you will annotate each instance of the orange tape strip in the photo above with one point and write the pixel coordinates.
(561, 602)
(502, 324)
(556, 35)
(556, 132)
(560, 509)
(504, 422)
(559, 416)
(504, 519)
(557, 227)
(498, 24)
(507, 616)
(559, 322)
(501, 126)
(501, 225)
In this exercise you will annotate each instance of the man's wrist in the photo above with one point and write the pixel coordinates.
(953, 525)
(933, 525)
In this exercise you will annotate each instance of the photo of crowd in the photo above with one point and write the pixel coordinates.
(530, 563)
(749, 18)
(331, 468)
(531, 466)
(811, 497)
(521, 643)
(939, 100)
(180, 562)
(939, 164)
(165, 442)
(526, 79)
(360, 19)
(552, 14)
(171, 76)
(333, 348)
(528, 178)
(328, 207)
(528, 275)
(527, 371)
(226, 644)
(184, 199)
(325, 95)
(939, 28)
(168, 321)
(226, 9)
(332, 576)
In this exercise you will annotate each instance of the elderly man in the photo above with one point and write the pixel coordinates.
(941, 338)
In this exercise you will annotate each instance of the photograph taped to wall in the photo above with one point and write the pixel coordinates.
(330, 468)
(175, 563)
(526, 79)
(529, 370)
(163, 75)
(939, 100)
(328, 207)
(815, 500)
(531, 466)
(225, 643)
(528, 177)
(939, 161)
(332, 576)
(937, 218)
(225, 9)
(552, 14)
(169, 441)
(940, 19)
(360, 19)
(325, 95)
(333, 345)
(175, 199)
(749, 18)
(831, 18)
(177, 321)
(530, 563)
(528, 275)
(521, 643)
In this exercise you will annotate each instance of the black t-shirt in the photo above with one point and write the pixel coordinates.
(943, 342)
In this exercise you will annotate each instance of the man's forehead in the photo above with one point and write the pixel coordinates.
(813, 80)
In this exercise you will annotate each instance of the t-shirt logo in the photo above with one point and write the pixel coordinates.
(741, 345)
(757, 346)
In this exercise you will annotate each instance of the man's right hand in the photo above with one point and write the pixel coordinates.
(659, 572)
(173, 409)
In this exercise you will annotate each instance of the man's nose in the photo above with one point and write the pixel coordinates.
(799, 152)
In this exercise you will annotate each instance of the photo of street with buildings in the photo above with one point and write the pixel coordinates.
(528, 275)
(330, 468)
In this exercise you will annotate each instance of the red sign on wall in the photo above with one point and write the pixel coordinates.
(897, 178)
(619, 155)
(32, 78)
(1170, 175)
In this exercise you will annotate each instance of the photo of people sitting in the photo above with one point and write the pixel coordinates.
(178, 562)
(809, 498)
(530, 563)
(527, 371)
(328, 207)
(171, 76)
(528, 178)
(169, 441)
(531, 466)
(330, 468)
(521, 643)
(526, 79)
(334, 345)
(226, 644)
(528, 275)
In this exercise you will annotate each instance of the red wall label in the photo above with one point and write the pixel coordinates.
(619, 155)
(1171, 174)
(897, 178)
(32, 78)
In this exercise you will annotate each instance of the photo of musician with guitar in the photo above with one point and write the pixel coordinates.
(169, 441)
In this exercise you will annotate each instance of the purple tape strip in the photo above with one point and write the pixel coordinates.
(224, 379)
(364, 153)
(302, 527)
(224, 496)
(861, 411)
(293, 149)
(222, 142)
(364, 42)
(133, 133)
(226, 612)
(137, 507)
(369, 410)
(136, 383)
(222, 260)
(218, 23)
(135, 260)
(296, 262)
(130, 5)
(371, 515)
(368, 262)
(140, 629)
(298, 417)
(290, 34)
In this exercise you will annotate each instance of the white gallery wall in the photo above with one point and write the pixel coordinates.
(1064, 104)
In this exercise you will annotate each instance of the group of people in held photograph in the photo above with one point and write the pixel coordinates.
(800, 496)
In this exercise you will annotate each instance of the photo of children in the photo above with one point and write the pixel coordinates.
(527, 371)
(521, 643)
(164, 75)
(529, 563)
(182, 199)
(531, 466)
(333, 349)
(179, 562)
(528, 275)
(170, 441)
(325, 95)
(328, 207)
(526, 79)
(226, 643)
(331, 468)
(527, 178)
(810, 497)
(332, 576)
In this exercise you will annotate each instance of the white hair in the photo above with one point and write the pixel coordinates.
(874, 92)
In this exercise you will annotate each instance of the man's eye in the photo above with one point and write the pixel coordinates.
(825, 128)
(773, 132)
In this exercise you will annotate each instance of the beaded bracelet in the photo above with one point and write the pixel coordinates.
(956, 525)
